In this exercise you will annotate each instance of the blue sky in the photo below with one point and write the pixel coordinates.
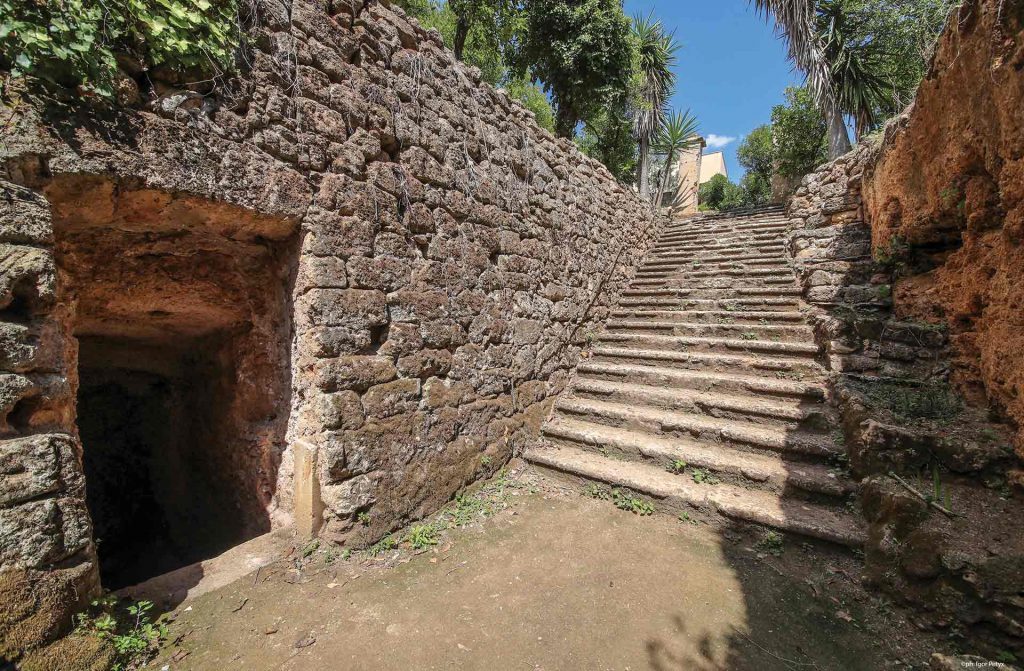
(731, 70)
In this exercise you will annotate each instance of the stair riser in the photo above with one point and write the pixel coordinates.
(688, 428)
(809, 420)
(706, 511)
(753, 303)
(794, 487)
(709, 382)
(734, 318)
(684, 344)
(677, 285)
(752, 331)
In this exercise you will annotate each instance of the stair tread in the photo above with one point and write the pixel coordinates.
(759, 468)
(779, 346)
(751, 382)
(758, 506)
(747, 433)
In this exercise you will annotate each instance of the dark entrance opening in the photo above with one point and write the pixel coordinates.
(161, 489)
(180, 309)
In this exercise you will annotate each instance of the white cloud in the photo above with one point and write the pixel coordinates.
(718, 141)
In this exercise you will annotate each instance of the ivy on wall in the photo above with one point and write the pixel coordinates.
(76, 42)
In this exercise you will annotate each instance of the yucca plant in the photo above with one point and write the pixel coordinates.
(796, 21)
(855, 63)
(678, 133)
(653, 82)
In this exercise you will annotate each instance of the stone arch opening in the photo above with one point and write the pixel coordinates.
(178, 318)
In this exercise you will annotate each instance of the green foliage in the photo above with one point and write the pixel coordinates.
(608, 136)
(581, 51)
(423, 535)
(704, 477)
(76, 42)
(772, 543)
(933, 400)
(677, 466)
(623, 501)
(135, 638)
(799, 137)
(712, 192)
(386, 544)
(678, 134)
(902, 34)
(755, 151)
(532, 96)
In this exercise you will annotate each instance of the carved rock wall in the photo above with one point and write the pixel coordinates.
(948, 189)
(449, 258)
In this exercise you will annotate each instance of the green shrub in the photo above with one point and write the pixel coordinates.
(76, 42)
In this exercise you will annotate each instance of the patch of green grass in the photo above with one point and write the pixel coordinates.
(685, 517)
(772, 543)
(988, 434)
(623, 501)
(423, 536)
(595, 492)
(703, 477)
(749, 335)
(132, 632)
(485, 460)
(363, 518)
(934, 400)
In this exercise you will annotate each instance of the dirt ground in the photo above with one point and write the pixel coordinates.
(551, 580)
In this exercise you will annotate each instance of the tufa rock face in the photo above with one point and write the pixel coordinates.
(374, 251)
(949, 185)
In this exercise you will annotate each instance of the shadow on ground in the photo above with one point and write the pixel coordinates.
(557, 581)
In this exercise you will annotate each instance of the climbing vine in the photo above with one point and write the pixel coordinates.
(76, 42)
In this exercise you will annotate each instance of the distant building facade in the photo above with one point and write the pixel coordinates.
(693, 169)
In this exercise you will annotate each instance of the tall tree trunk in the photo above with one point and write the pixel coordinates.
(461, 33)
(565, 121)
(643, 166)
(838, 137)
(664, 177)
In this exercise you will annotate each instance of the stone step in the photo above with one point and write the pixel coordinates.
(723, 304)
(684, 343)
(712, 248)
(761, 471)
(745, 331)
(677, 494)
(737, 224)
(732, 237)
(741, 261)
(714, 361)
(707, 428)
(683, 286)
(653, 373)
(792, 412)
(711, 316)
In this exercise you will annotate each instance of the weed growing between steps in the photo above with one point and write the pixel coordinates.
(701, 476)
(622, 499)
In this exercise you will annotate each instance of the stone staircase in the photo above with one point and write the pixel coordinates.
(707, 360)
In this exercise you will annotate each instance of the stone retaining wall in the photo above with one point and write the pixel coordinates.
(446, 259)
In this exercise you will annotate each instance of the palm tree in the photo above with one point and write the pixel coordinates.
(678, 134)
(796, 21)
(855, 63)
(654, 79)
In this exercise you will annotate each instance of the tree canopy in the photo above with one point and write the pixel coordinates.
(582, 53)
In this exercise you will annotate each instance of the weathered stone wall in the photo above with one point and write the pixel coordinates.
(849, 290)
(449, 258)
(947, 191)
(909, 252)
